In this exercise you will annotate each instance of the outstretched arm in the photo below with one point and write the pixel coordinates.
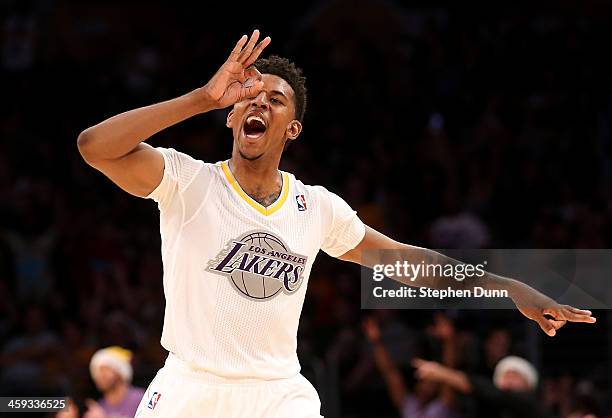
(549, 315)
(116, 146)
(476, 386)
(436, 372)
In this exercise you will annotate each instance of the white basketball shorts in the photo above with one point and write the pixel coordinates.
(181, 391)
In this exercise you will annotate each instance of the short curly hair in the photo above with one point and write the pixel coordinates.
(289, 72)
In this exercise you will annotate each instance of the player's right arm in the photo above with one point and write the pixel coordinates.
(116, 145)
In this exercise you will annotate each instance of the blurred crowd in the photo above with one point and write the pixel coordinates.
(443, 126)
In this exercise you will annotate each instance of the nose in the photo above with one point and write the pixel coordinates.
(261, 100)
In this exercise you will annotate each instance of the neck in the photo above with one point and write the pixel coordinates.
(259, 178)
(116, 394)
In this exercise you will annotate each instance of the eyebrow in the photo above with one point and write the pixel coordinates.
(279, 92)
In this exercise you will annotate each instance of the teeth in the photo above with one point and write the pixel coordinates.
(257, 118)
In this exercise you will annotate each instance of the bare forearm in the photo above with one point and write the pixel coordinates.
(449, 352)
(120, 134)
(390, 373)
(449, 359)
(432, 371)
(382, 358)
(456, 379)
(431, 270)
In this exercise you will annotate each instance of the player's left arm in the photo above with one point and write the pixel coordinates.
(536, 306)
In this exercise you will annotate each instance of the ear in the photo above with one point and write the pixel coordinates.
(230, 116)
(294, 129)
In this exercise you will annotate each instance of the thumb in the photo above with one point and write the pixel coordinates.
(546, 326)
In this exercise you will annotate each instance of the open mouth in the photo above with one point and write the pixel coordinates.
(254, 127)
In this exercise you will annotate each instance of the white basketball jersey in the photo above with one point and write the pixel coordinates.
(235, 272)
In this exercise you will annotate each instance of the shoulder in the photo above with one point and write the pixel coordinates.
(315, 194)
(310, 189)
(183, 164)
(183, 157)
(321, 196)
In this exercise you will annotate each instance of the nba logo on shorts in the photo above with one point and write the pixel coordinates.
(154, 399)
(301, 202)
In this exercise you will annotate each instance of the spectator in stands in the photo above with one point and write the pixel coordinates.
(429, 399)
(512, 394)
(111, 371)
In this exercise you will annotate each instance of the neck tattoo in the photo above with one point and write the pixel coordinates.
(260, 196)
(264, 200)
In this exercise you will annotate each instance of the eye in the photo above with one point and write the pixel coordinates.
(276, 101)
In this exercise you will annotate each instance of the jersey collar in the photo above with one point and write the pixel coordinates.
(266, 211)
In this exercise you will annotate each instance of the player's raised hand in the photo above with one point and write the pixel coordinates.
(549, 314)
(237, 78)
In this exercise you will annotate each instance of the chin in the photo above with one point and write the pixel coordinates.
(251, 150)
(249, 155)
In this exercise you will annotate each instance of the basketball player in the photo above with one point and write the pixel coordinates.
(238, 241)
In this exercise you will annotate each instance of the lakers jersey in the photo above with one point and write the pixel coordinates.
(235, 272)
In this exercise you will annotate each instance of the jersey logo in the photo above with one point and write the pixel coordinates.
(154, 399)
(260, 266)
(301, 202)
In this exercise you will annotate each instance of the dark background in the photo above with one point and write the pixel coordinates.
(444, 124)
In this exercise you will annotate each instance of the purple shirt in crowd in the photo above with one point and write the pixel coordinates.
(434, 409)
(127, 407)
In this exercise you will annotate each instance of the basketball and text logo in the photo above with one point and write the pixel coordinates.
(301, 202)
(260, 266)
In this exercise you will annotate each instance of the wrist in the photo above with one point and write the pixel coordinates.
(201, 100)
(516, 289)
(495, 282)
